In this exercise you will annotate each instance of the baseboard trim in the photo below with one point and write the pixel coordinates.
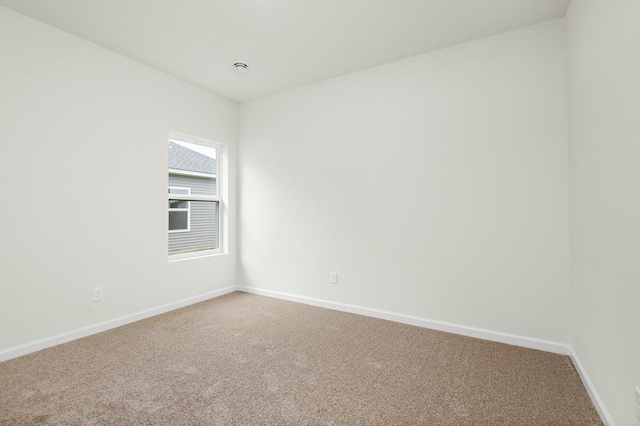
(591, 390)
(59, 339)
(494, 336)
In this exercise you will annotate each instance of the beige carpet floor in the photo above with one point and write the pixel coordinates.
(248, 360)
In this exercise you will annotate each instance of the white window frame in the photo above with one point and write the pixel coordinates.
(219, 198)
(188, 209)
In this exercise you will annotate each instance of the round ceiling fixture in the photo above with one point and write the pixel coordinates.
(241, 66)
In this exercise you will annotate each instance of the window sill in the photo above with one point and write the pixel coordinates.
(195, 255)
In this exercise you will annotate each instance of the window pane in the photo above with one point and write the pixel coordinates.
(203, 233)
(178, 221)
(193, 166)
(178, 204)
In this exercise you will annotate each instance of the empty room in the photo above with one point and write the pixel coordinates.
(320, 212)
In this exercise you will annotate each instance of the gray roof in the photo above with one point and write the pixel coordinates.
(182, 158)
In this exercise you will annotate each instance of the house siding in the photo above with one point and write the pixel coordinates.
(198, 185)
(203, 217)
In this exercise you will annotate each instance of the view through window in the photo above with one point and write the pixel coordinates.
(194, 197)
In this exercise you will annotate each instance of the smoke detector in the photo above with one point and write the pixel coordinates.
(241, 67)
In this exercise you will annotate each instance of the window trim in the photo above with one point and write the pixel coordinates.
(220, 198)
(188, 209)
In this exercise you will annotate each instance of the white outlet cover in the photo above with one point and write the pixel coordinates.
(97, 294)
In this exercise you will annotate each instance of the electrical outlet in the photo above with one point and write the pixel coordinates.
(333, 277)
(97, 294)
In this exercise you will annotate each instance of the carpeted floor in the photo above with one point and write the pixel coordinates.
(249, 360)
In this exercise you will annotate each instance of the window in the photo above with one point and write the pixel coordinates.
(194, 197)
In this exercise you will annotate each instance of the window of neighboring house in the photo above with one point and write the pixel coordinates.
(194, 197)
(179, 211)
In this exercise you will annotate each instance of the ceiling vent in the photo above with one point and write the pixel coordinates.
(241, 67)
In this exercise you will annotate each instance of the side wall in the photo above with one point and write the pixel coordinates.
(435, 186)
(604, 106)
(84, 183)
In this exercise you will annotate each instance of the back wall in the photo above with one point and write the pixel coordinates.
(435, 186)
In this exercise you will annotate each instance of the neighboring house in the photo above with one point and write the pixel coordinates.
(192, 224)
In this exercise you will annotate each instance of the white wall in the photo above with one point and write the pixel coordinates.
(435, 186)
(604, 106)
(84, 182)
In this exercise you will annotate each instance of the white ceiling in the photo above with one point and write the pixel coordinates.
(287, 43)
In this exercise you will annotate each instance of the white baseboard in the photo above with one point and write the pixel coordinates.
(48, 342)
(479, 333)
(494, 336)
(595, 398)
